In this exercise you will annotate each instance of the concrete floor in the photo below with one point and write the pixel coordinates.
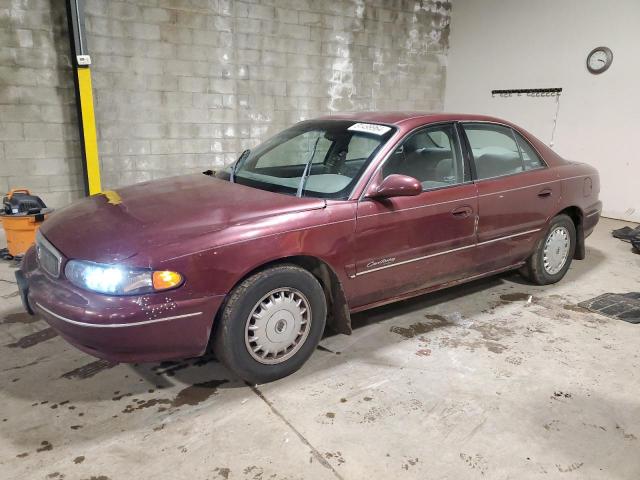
(472, 382)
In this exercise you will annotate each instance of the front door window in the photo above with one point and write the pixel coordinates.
(432, 156)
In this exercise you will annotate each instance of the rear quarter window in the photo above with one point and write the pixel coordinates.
(530, 158)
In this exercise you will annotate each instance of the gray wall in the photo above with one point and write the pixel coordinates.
(39, 145)
(184, 85)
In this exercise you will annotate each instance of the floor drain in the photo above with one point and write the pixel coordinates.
(623, 306)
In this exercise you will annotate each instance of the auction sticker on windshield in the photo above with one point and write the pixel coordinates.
(369, 128)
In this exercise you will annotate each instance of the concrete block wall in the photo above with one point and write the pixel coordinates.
(185, 85)
(39, 140)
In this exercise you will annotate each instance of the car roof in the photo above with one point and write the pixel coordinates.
(413, 118)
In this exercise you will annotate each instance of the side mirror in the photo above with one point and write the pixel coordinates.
(397, 186)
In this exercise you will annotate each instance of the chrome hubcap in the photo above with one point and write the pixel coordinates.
(556, 250)
(278, 326)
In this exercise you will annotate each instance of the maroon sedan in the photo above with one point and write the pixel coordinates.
(332, 216)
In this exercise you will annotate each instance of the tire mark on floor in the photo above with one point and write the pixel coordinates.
(29, 341)
(89, 370)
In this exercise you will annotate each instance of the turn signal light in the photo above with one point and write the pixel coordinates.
(165, 279)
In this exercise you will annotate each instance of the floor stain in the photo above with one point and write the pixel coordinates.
(19, 367)
(89, 370)
(627, 436)
(552, 425)
(380, 412)
(424, 352)
(515, 297)
(514, 360)
(142, 404)
(410, 463)
(256, 471)
(375, 413)
(492, 331)
(197, 393)
(337, 456)
(420, 328)
(33, 339)
(475, 462)
(561, 395)
(325, 349)
(570, 468)
(491, 334)
(79, 459)
(223, 472)
(592, 425)
(330, 415)
(170, 368)
(45, 446)
(121, 396)
(575, 308)
(20, 317)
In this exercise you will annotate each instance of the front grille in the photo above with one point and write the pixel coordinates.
(49, 258)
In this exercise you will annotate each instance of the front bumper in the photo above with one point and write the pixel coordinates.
(144, 328)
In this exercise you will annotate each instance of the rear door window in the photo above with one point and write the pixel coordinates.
(495, 151)
(499, 150)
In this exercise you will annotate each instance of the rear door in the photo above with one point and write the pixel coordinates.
(517, 193)
(405, 244)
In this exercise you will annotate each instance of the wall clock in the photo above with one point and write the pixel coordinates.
(599, 60)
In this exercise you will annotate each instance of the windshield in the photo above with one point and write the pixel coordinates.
(317, 158)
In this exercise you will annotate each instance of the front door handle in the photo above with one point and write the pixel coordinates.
(462, 212)
(547, 192)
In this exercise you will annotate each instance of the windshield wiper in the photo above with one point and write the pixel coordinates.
(238, 164)
(307, 167)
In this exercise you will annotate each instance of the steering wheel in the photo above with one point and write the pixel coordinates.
(335, 164)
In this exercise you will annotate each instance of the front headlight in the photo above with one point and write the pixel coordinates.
(118, 280)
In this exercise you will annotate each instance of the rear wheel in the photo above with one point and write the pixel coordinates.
(553, 254)
(271, 324)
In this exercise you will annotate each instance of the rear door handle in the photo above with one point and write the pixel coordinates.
(462, 212)
(547, 192)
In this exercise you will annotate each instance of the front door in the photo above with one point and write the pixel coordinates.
(516, 194)
(406, 244)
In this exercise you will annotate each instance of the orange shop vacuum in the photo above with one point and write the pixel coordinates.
(21, 217)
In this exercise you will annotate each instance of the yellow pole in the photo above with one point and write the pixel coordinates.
(89, 130)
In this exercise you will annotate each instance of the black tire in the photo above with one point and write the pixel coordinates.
(535, 270)
(229, 338)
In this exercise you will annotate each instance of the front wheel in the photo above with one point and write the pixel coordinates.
(553, 254)
(271, 324)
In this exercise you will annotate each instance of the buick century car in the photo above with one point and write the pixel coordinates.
(329, 217)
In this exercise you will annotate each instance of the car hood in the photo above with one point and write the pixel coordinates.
(130, 222)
